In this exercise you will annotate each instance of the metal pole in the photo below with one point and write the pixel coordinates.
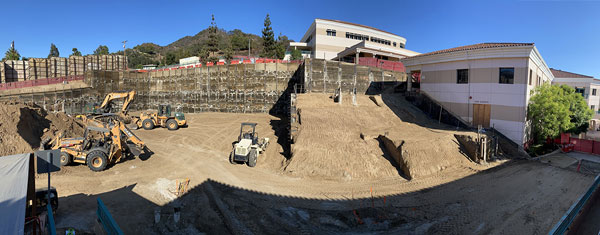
(49, 154)
(125, 53)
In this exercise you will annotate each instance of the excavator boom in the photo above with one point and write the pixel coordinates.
(128, 96)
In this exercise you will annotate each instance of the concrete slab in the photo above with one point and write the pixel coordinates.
(561, 160)
(584, 156)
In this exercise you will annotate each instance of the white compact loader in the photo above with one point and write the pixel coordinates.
(248, 147)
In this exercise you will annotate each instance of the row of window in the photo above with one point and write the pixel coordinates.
(507, 76)
(357, 36)
(362, 37)
(539, 78)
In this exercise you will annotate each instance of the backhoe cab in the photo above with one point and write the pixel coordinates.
(162, 118)
(248, 146)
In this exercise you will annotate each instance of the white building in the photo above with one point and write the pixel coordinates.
(588, 86)
(339, 40)
(486, 84)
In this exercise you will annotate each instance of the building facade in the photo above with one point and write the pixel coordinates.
(486, 84)
(588, 86)
(339, 40)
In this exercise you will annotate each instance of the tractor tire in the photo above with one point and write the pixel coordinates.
(96, 160)
(231, 160)
(65, 159)
(172, 125)
(148, 124)
(252, 156)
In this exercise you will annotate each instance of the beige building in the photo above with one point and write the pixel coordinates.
(486, 84)
(339, 40)
(588, 86)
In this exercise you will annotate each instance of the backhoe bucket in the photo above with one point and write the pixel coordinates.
(135, 150)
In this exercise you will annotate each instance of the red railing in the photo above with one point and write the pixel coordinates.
(384, 64)
(39, 82)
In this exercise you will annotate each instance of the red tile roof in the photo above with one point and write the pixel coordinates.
(475, 47)
(564, 74)
(359, 25)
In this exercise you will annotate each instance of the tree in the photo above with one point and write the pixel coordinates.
(101, 50)
(296, 54)
(239, 41)
(76, 52)
(557, 109)
(228, 54)
(282, 42)
(213, 38)
(268, 39)
(11, 54)
(171, 58)
(53, 51)
(203, 54)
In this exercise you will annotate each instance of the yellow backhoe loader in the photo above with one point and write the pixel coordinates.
(100, 146)
(162, 118)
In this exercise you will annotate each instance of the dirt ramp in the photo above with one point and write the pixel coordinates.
(343, 142)
(24, 126)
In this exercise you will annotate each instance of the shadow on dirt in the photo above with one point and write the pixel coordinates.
(31, 126)
(217, 208)
(388, 156)
(280, 127)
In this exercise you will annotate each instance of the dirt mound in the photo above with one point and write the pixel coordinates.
(24, 126)
(341, 141)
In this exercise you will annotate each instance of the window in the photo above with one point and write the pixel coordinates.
(331, 32)
(394, 44)
(357, 36)
(507, 75)
(539, 81)
(530, 76)
(308, 39)
(401, 45)
(580, 91)
(462, 76)
(593, 107)
(594, 91)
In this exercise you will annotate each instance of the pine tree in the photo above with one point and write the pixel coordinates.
(53, 51)
(268, 39)
(213, 40)
(11, 54)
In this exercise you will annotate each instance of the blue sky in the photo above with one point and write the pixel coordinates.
(567, 33)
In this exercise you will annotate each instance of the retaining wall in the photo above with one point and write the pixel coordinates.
(38, 68)
(240, 88)
(326, 76)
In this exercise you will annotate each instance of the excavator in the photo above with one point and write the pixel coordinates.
(96, 115)
(100, 146)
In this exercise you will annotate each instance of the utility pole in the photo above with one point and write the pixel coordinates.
(249, 39)
(125, 52)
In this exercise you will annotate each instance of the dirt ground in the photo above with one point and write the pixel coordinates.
(329, 144)
(516, 197)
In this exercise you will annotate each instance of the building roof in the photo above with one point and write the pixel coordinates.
(564, 74)
(359, 25)
(475, 47)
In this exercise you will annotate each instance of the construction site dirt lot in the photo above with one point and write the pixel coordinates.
(509, 197)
